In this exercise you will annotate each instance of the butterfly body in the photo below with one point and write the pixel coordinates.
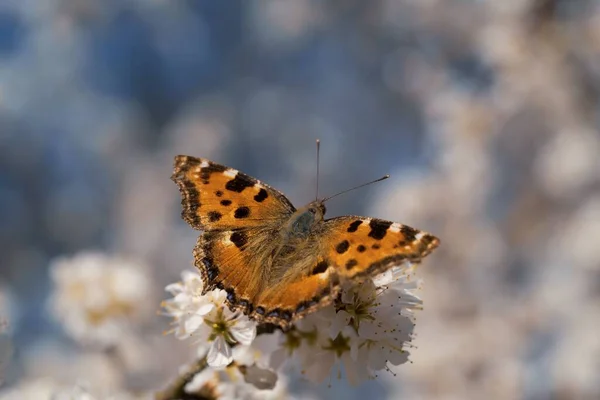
(278, 263)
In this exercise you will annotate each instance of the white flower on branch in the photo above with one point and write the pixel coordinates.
(187, 307)
(367, 329)
(208, 320)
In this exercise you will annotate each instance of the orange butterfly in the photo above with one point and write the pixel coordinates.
(277, 263)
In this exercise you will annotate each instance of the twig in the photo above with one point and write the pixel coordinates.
(175, 391)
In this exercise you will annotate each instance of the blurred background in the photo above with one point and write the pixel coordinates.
(484, 112)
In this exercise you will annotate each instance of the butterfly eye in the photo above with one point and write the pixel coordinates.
(312, 210)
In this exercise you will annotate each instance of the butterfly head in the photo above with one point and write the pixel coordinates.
(317, 208)
(306, 218)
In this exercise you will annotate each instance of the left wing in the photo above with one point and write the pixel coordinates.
(216, 197)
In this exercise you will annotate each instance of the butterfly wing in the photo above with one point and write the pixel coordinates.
(215, 197)
(361, 247)
(235, 261)
(238, 261)
(240, 217)
(344, 248)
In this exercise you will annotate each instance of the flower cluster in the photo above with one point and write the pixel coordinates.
(367, 329)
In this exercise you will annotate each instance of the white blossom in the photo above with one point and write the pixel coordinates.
(367, 329)
(188, 306)
(260, 352)
(96, 297)
(206, 318)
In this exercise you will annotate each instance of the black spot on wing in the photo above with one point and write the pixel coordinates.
(211, 270)
(286, 315)
(218, 193)
(279, 313)
(305, 305)
(353, 227)
(261, 196)
(239, 239)
(410, 234)
(214, 168)
(214, 216)
(246, 305)
(351, 264)
(320, 268)
(241, 212)
(342, 247)
(231, 296)
(361, 248)
(225, 202)
(378, 228)
(239, 183)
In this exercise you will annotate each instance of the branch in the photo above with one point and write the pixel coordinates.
(175, 391)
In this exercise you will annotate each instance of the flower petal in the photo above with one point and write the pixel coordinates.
(174, 288)
(244, 331)
(278, 357)
(219, 355)
(356, 372)
(320, 367)
(205, 308)
(192, 323)
(340, 320)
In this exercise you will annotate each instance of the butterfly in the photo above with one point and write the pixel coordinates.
(278, 263)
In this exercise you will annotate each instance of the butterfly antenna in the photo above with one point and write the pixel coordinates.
(356, 187)
(318, 147)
